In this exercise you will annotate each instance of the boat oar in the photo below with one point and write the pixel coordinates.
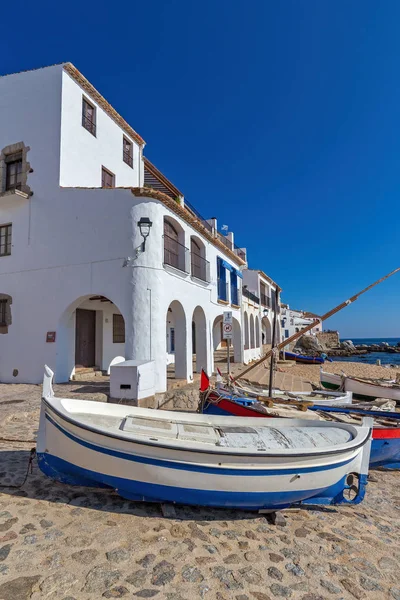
(330, 313)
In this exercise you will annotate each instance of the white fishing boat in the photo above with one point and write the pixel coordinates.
(362, 389)
(165, 456)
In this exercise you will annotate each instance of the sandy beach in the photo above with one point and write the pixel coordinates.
(71, 543)
(311, 372)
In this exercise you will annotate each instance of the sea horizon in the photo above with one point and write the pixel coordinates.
(386, 358)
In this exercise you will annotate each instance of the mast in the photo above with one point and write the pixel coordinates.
(326, 316)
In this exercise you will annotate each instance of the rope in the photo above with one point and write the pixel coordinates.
(17, 441)
(30, 464)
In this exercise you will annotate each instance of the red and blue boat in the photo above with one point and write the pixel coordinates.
(303, 359)
(385, 450)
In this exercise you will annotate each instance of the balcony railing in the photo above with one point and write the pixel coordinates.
(200, 267)
(175, 254)
(198, 215)
(250, 295)
(241, 253)
(265, 300)
(225, 240)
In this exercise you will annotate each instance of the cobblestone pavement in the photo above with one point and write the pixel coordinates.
(62, 542)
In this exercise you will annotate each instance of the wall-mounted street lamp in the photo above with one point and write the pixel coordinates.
(144, 225)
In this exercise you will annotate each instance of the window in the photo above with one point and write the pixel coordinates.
(5, 240)
(223, 292)
(286, 333)
(127, 152)
(118, 329)
(198, 263)
(3, 312)
(14, 171)
(172, 340)
(107, 178)
(175, 253)
(88, 116)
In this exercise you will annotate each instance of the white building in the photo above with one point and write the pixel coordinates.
(293, 321)
(74, 205)
(259, 305)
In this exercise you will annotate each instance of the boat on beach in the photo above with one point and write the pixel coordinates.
(385, 449)
(198, 459)
(362, 389)
(303, 359)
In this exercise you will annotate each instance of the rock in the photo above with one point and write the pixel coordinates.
(352, 588)
(330, 587)
(327, 535)
(294, 569)
(251, 556)
(226, 578)
(275, 558)
(260, 596)
(3, 569)
(85, 556)
(163, 572)
(192, 574)
(312, 597)
(277, 518)
(27, 527)
(5, 551)
(275, 573)
(280, 590)
(232, 559)
(211, 549)
(8, 524)
(243, 545)
(369, 584)
(387, 563)
(302, 586)
(198, 533)
(46, 524)
(250, 535)
(309, 344)
(301, 532)
(77, 540)
(60, 581)
(394, 592)
(242, 597)
(100, 577)
(20, 588)
(118, 555)
(116, 592)
(168, 511)
(251, 575)
(137, 578)
(146, 561)
(363, 565)
(146, 593)
(11, 535)
(177, 531)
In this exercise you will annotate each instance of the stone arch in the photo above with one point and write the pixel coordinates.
(236, 342)
(109, 335)
(257, 326)
(199, 338)
(246, 331)
(176, 340)
(252, 340)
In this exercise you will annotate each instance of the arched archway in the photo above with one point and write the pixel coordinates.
(219, 345)
(252, 341)
(176, 341)
(257, 326)
(267, 331)
(246, 331)
(90, 334)
(199, 338)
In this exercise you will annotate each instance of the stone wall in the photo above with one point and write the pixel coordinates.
(330, 339)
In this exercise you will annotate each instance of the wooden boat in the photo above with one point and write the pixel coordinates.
(164, 456)
(363, 389)
(385, 450)
(301, 358)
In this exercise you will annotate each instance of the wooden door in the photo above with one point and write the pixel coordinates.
(85, 338)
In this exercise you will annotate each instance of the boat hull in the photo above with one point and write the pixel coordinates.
(361, 390)
(385, 448)
(307, 360)
(72, 455)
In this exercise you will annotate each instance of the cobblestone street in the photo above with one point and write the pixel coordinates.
(62, 542)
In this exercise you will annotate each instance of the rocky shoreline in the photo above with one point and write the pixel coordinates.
(311, 346)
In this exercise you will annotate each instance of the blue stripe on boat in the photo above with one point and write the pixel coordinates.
(192, 467)
(68, 473)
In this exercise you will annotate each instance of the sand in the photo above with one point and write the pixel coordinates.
(311, 372)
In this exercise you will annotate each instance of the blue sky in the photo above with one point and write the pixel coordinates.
(282, 119)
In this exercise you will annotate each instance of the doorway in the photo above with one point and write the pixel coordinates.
(85, 338)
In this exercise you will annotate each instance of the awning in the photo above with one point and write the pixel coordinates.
(226, 265)
(238, 273)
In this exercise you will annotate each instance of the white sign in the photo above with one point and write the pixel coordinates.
(227, 317)
(227, 331)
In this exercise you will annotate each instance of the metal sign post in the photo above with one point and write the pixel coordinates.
(227, 334)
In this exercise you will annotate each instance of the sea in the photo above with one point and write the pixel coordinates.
(385, 357)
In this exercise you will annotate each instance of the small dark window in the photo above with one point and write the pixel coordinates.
(14, 171)
(172, 340)
(3, 310)
(5, 240)
(118, 329)
(107, 178)
(127, 152)
(88, 116)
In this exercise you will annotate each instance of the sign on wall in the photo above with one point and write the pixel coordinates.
(50, 336)
(227, 325)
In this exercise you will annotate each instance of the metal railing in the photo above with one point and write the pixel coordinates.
(240, 252)
(265, 300)
(88, 124)
(198, 215)
(175, 254)
(224, 240)
(200, 267)
(250, 295)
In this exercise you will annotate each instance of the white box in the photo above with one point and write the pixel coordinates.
(132, 379)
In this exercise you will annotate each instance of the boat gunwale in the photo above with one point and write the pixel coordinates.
(223, 450)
